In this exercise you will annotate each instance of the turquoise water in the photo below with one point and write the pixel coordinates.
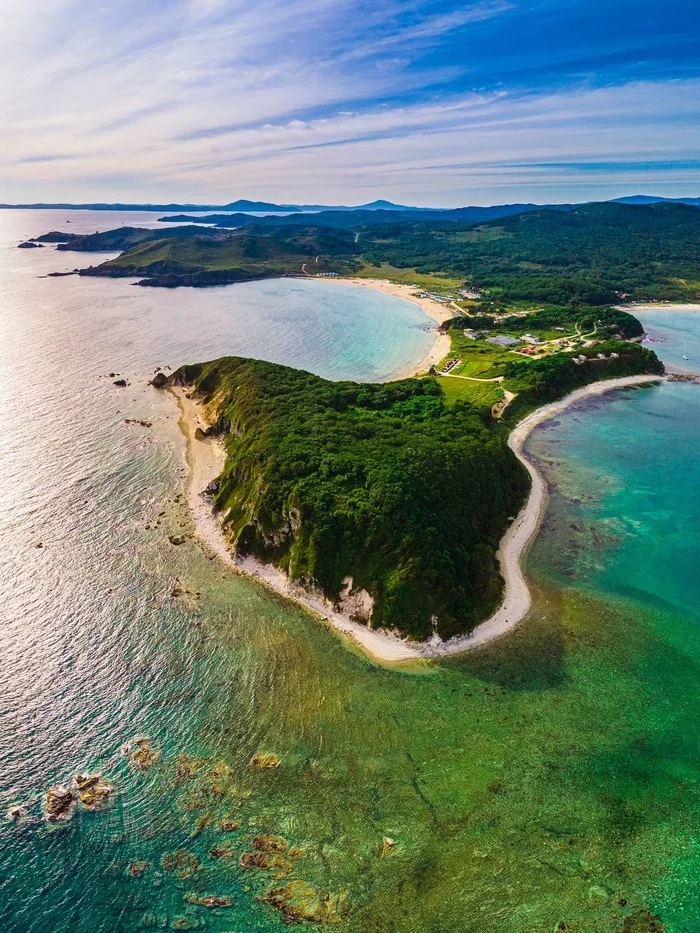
(673, 333)
(94, 650)
(551, 779)
(627, 466)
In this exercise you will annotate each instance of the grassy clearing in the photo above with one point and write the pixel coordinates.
(432, 282)
(483, 394)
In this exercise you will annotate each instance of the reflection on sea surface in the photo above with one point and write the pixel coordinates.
(263, 770)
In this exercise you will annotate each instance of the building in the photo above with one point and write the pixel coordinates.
(502, 341)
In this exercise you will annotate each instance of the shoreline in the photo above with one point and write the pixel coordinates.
(437, 312)
(205, 459)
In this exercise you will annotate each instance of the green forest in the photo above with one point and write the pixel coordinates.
(593, 255)
(388, 484)
(383, 483)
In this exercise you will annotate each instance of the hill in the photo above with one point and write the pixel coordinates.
(593, 255)
(191, 256)
(384, 484)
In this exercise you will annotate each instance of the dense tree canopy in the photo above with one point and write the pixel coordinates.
(382, 483)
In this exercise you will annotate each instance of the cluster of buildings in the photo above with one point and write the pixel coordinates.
(599, 356)
(442, 299)
(449, 366)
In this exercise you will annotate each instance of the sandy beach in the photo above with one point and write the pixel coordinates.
(205, 457)
(438, 312)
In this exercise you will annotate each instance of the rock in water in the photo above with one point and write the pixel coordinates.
(208, 900)
(159, 381)
(16, 812)
(141, 753)
(298, 901)
(59, 803)
(93, 791)
(265, 761)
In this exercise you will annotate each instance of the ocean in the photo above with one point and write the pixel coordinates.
(547, 782)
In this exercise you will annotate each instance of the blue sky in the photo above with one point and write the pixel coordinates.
(342, 101)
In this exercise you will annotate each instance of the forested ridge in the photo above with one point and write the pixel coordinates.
(592, 255)
(382, 483)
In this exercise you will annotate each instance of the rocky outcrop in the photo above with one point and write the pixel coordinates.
(141, 753)
(55, 236)
(265, 761)
(29, 244)
(208, 900)
(93, 792)
(159, 381)
(59, 803)
(299, 901)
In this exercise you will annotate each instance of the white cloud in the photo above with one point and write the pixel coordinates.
(295, 99)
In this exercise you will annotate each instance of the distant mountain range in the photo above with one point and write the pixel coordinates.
(462, 214)
(646, 199)
(241, 206)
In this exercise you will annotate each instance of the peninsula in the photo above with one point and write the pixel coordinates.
(400, 511)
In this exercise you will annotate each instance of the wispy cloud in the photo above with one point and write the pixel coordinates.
(344, 99)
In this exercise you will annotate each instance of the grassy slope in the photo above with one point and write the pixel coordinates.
(256, 255)
(586, 256)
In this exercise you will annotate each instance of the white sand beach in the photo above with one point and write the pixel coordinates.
(205, 457)
(438, 312)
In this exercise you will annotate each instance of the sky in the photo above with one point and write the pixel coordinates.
(344, 101)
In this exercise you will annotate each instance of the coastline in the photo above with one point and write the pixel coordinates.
(205, 459)
(439, 313)
(206, 456)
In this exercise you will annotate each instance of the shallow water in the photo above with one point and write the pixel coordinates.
(549, 779)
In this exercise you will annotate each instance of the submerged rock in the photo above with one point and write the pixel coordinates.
(59, 803)
(187, 766)
(221, 852)
(138, 869)
(141, 753)
(183, 863)
(261, 860)
(270, 844)
(202, 823)
(228, 826)
(271, 852)
(299, 901)
(265, 761)
(187, 923)
(16, 812)
(177, 539)
(208, 900)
